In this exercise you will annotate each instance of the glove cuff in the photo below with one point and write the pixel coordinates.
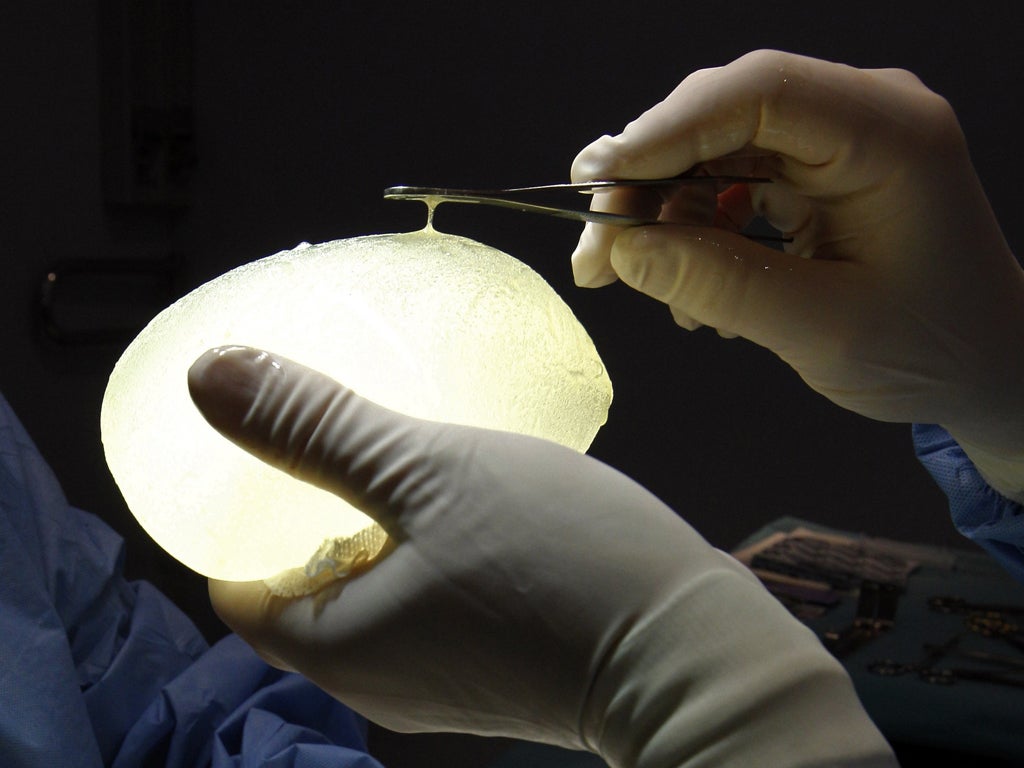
(978, 510)
(1003, 473)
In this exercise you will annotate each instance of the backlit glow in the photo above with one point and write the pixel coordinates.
(432, 325)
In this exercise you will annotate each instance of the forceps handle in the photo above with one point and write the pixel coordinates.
(590, 187)
(585, 187)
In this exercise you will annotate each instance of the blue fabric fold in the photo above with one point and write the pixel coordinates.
(979, 512)
(99, 671)
(291, 724)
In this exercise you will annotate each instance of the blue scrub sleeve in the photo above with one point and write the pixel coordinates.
(979, 512)
(99, 671)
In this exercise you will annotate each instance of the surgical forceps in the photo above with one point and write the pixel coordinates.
(508, 197)
(997, 668)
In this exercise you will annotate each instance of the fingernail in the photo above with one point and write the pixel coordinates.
(224, 383)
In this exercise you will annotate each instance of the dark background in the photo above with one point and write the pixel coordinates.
(219, 132)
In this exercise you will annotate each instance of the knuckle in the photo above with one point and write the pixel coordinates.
(940, 122)
(764, 59)
(710, 293)
(771, 70)
(601, 159)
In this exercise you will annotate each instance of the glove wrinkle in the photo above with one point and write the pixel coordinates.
(711, 709)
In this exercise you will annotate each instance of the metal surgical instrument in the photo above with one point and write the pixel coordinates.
(508, 197)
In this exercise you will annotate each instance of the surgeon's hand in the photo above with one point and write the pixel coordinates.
(532, 592)
(898, 297)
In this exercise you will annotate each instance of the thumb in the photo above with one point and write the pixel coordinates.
(729, 282)
(308, 425)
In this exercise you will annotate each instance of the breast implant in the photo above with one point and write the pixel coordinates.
(429, 324)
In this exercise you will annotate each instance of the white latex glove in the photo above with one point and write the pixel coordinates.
(908, 304)
(532, 592)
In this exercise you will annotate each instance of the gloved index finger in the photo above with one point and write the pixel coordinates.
(801, 109)
(303, 423)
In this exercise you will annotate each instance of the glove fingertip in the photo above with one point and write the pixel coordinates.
(224, 383)
(590, 265)
(595, 161)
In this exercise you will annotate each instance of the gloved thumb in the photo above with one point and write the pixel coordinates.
(729, 282)
(306, 424)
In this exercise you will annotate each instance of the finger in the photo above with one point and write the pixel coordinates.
(271, 660)
(683, 320)
(590, 265)
(251, 611)
(308, 425)
(595, 160)
(690, 204)
(771, 101)
(739, 287)
(244, 605)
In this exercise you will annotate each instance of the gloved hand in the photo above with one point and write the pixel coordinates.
(532, 592)
(908, 304)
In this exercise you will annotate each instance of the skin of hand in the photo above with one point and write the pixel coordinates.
(898, 297)
(529, 591)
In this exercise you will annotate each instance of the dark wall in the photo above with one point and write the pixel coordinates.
(303, 112)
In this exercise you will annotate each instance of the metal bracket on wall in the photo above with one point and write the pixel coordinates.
(92, 302)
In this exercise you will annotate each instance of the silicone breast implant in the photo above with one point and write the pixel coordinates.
(429, 324)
